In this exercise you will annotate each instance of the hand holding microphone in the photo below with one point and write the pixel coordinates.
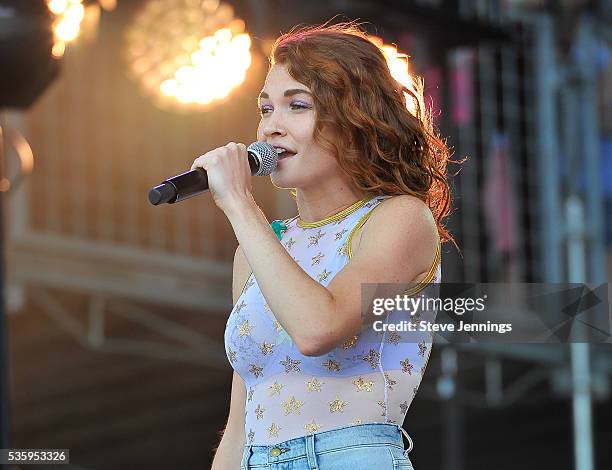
(223, 170)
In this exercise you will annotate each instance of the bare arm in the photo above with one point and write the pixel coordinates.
(290, 292)
(319, 318)
(229, 452)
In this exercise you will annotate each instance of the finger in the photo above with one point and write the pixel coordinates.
(198, 163)
(243, 153)
(232, 149)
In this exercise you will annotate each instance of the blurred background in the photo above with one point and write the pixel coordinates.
(114, 310)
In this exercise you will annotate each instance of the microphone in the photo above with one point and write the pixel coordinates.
(262, 160)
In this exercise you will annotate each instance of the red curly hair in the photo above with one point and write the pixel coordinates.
(382, 146)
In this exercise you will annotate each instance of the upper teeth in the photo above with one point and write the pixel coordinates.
(280, 150)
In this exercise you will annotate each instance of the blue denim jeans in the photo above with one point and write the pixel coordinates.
(368, 446)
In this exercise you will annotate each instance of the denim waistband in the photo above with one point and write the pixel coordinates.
(308, 445)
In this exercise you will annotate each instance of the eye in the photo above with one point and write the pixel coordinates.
(264, 109)
(299, 105)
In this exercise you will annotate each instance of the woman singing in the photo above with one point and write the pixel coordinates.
(313, 386)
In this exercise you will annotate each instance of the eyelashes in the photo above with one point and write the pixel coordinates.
(294, 105)
(262, 110)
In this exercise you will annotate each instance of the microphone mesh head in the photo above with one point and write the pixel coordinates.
(267, 156)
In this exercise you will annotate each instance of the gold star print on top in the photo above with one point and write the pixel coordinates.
(369, 377)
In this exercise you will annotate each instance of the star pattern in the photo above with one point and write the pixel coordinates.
(363, 385)
(256, 349)
(256, 370)
(394, 337)
(312, 427)
(240, 307)
(232, 355)
(317, 259)
(407, 366)
(314, 239)
(291, 365)
(350, 343)
(390, 381)
(259, 412)
(332, 365)
(337, 406)
(245, 328)
(273, 430)
(314, 385)
(338, 235)
(373, 357)
(266, 348)
(292, 405)
(275, 389)
(290, 243)
(324, 275)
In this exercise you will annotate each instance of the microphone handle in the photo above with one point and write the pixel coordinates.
(188, 184)
(191, 183)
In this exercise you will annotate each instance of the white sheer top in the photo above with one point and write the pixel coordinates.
(370, 378)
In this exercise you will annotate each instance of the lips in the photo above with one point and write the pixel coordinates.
(283, 153)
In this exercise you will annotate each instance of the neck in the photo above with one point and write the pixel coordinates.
(315, 206)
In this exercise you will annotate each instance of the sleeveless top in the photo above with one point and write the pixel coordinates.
(370, 378)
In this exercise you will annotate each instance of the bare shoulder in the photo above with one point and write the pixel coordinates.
(406, 228)
(404, 209)
(240, 274)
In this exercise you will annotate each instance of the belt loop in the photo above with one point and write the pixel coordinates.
(311, 457)
(410, 444)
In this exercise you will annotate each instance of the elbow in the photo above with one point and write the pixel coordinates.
(313, 345)
(312, 349)
(308, 344)
(320, 344)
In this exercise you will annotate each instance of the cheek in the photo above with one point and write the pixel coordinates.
(304, 135)
(307, 126)
(321, 162)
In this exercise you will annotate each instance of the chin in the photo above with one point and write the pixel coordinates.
(283, 179)
(281, 182)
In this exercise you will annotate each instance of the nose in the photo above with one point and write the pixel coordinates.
(272, 125)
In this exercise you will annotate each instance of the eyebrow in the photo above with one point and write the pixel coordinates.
(290, 92)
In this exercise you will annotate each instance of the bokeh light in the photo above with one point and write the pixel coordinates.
(69, 16)
(186, 54)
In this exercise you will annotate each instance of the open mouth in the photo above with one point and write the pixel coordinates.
(284, 153)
